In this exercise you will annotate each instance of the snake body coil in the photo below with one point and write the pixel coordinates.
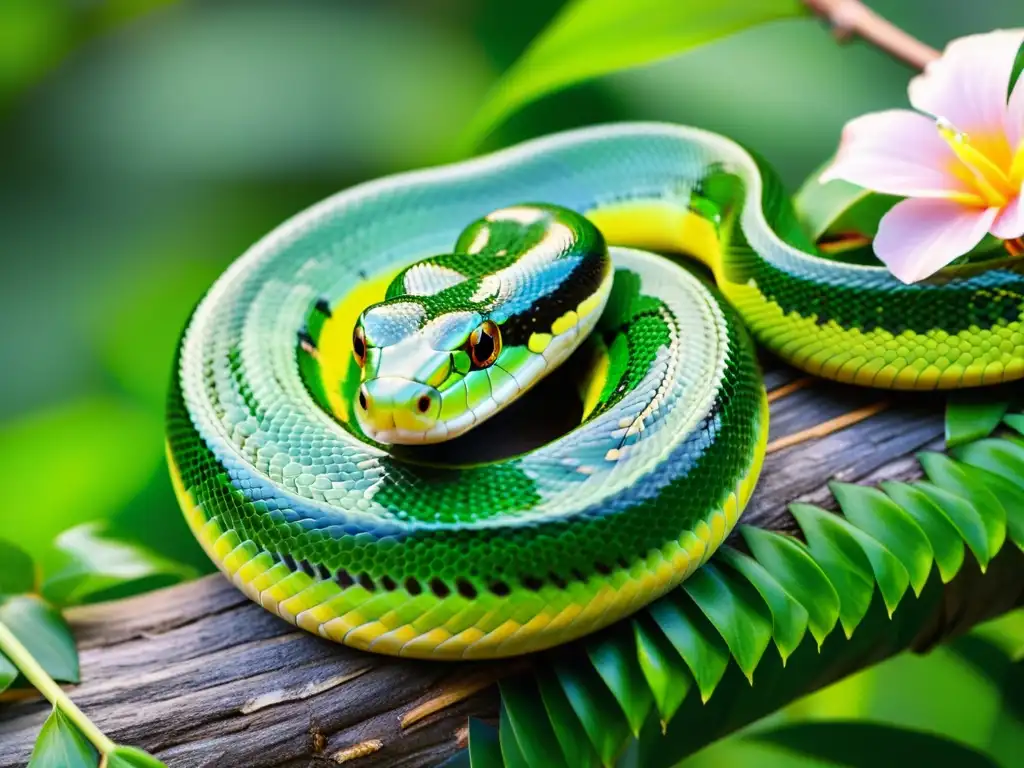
(279, 415)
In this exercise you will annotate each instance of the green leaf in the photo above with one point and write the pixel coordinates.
(62, 745)
(99, 567)
(42, 630)
(1006, 633)
(590, 38)
(878, 515)
(838, 207)
(8, 673)
(797, 572)
(1009, 496)
(989, 658)
(999, 476)
(737, 611)
(694, 638)
(820, 205)
(971, 417)
(999, 456)
(17, 572)
(947, 473)
(1015, 421)
(839, 556)
(1015, 73)
(964, 517)
(872, 745)
(662, 667)
(1012, 499)
(484, 749)
(595, 707)
(946, 543)
(531, 729)
(614, 656)
(890, 574)
(99, 455)
(789, 618)
(510, 752)
(569, 731)
(130, 757)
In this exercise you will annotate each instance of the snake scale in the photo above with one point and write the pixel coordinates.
(315, 382)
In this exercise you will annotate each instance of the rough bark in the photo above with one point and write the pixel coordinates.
(199, 676)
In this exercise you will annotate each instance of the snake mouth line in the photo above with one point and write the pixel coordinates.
(396, 435)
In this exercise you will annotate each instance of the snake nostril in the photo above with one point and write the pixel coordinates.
(364, 399)
(423, 404)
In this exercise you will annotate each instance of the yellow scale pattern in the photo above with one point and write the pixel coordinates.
(874, 358)
(877, 358)
(384, 623)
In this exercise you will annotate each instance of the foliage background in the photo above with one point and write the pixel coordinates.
(149, 142)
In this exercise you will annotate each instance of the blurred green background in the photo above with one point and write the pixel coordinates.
(149, 142)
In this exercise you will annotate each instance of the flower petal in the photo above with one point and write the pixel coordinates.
(917, 238)
(1010, 222)
(1015, 116)
(897, 152)
(969, 83)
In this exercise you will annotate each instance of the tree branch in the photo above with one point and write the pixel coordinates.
(199, 675)
(851, 18)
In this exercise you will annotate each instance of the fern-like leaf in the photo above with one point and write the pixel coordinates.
(880, 562)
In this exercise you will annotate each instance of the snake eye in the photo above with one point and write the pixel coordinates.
(359, 345)
(485, 344)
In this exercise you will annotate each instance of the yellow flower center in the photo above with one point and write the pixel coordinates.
(990, 168)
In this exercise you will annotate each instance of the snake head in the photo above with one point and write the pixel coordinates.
(463, 335)
(421, 378)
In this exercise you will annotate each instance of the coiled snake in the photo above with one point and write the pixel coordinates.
(321, 354)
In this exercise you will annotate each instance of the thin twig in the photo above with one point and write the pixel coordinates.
(455, 692)
(827, 428)
(788, 389)
(851, 18)
(35, 674)
(356, 751)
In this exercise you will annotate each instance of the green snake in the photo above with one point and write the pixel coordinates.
(411, 309)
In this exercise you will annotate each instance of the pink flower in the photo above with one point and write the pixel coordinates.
(961, 170)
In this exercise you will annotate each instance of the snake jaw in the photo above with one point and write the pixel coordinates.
(391, 409)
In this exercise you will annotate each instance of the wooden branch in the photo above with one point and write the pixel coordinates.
(200, 676)
(851, 18)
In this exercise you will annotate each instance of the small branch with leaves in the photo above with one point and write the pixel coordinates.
(37, 649)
